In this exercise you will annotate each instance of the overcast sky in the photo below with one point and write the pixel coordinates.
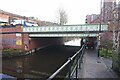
(48, 9)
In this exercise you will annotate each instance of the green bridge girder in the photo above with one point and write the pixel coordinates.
(65, 30)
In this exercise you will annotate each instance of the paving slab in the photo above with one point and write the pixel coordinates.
(94, 67)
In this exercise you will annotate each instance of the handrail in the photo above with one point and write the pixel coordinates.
(76, 65)
(66, 63)
(77, 53)
(54, 74)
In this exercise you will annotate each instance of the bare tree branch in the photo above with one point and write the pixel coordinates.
(62, 18)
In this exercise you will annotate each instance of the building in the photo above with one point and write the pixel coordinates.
(7, 18)
(91, 18)
(106, 11)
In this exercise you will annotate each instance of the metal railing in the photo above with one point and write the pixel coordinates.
(73, 63)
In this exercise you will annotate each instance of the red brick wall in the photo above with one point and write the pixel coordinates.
(25, 40)
(9, 40)
(12, 29)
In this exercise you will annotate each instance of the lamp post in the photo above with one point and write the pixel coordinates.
(99, 29)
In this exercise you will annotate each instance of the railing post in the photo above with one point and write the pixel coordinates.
(82, 56)
(69, 70)
(80, 61)
(76, 70)
(98, 51)
(79, 64)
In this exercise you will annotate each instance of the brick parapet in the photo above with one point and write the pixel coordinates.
(12, 29)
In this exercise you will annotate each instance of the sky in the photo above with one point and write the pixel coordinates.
(47, 10)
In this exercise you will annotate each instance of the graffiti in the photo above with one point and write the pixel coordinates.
(8, 42)
(26, 42)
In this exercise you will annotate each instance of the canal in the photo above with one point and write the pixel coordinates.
(40, 64)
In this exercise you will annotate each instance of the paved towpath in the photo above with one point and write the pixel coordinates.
(95, 67)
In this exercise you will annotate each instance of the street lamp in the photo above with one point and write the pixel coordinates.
(99, 29)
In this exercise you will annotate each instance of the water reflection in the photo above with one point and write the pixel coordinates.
(41, 64)
(75, 42)
(19, 66)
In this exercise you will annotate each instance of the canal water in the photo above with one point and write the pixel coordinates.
(42, 63)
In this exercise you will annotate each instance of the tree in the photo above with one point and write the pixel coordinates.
(111, 15)
(62, 17)
(116, 37)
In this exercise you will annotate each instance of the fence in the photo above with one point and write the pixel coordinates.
(73, 63)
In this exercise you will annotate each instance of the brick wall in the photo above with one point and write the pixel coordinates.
(22, 41)
(13, 40)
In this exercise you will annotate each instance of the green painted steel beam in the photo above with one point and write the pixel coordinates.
(66, 28)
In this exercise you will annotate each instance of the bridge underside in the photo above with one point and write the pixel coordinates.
(44, 42)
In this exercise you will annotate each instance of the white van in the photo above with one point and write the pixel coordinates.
(21, 22)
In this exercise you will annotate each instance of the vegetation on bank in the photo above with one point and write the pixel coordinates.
(106, 49)
(11, 52)
(107, 53)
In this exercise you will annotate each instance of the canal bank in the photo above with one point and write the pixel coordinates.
(12, 53)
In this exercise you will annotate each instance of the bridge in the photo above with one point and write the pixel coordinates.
(59, 31)
(66, 30)
(38, 36)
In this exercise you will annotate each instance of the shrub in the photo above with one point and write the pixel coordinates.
(105, 52)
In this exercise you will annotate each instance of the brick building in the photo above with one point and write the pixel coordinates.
(91, 18)
(109, 15)
(7, 17)
(106, 13)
